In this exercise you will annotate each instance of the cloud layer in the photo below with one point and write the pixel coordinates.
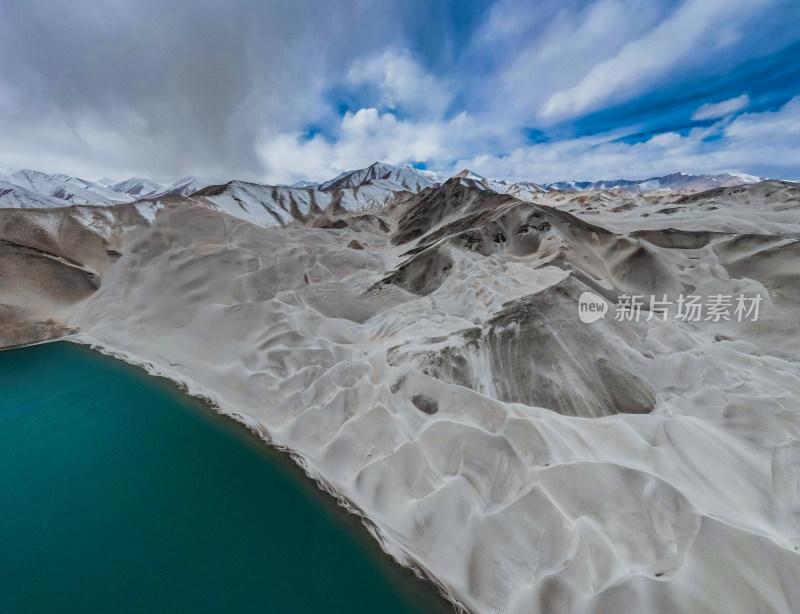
(721, 109)
(281, 91)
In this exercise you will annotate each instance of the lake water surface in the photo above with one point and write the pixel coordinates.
(119, 493)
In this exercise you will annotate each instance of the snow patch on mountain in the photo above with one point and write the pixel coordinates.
(14, 197)
(137, 186)
(305, 185)
(60, 190)
(184, 187)
(278, 205)
(672, 182)
(400, 177)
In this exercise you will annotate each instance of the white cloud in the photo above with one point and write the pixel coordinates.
(642, 62)
(757, 143)
(401, 82)
(538, 48)
(204, 93)
(398, 84)
(237, 102)
(721, 109)
(364, 137)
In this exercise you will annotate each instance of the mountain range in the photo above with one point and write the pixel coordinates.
(376, 184)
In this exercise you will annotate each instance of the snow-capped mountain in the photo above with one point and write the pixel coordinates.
(352, 190)
(523, 189)
(267, 205)
(184, 187)
(137, 186)
(674, 181)
(563, 186)
(386, 175)
(56, 190)
(305, 185)
(467, 177)
(15, 197)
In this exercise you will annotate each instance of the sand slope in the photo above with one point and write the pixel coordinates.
(426, 362)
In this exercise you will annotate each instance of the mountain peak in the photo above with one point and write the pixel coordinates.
(185, 186)
(62, 190)
(136, 186)
(467, 174)
(379, 173)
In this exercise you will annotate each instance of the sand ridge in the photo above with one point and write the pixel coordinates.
(440, 381)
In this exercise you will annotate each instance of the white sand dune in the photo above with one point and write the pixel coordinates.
(426, 363)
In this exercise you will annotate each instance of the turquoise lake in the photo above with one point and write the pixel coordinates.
(120, 493)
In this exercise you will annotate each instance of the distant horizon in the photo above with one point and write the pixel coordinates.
(441, 174)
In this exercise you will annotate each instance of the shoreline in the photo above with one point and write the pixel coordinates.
(319, 481)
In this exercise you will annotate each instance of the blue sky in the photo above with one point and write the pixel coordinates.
(521, 90)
